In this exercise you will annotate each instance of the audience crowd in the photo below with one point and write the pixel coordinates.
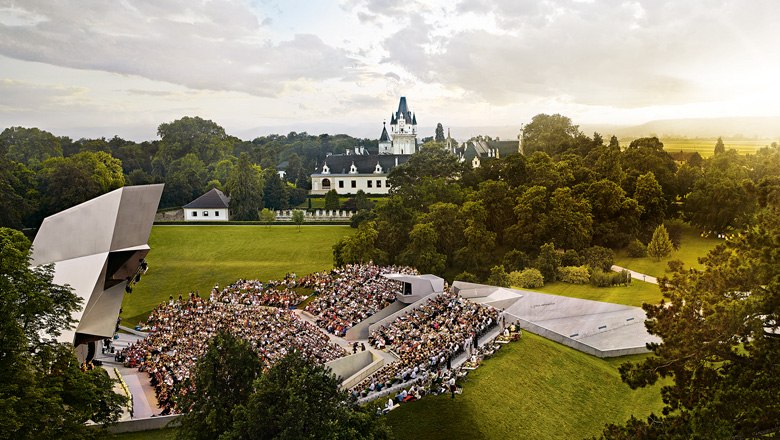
(348, 295)
(426, 339)
(179, 331)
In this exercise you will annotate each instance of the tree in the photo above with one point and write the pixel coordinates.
(719, 349)
(221, 382)
(527, 279)
(598, 257)
(548, 262)
(245, 187)
(30, 146)
(551, 134)
(650, 197)
(298, 399)
(448, 225)
(332, 200)
(193, 135)
(479, 242)
(43, 392)
(421, 252)
(185, 181)
(275, 191)
(66, 182)
(498, 277)
(439, 133)
(298, 217)
(360, 247)
(720, 148)
(17, 193)
(660, 245)
(569, 220)
(267, 216)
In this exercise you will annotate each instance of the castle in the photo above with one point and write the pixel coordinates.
(354, 171)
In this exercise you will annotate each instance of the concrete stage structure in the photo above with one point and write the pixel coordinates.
(98, 248)
(597, 328)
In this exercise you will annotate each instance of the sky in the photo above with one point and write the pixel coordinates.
(92, 68)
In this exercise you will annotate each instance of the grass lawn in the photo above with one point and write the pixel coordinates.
(534, 389)
(160, 434)
(635, 294)
(692, 246)
(189, 258)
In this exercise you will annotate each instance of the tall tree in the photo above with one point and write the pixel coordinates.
(298, 399)
(43, 392)
(65, 182)
(360, 247)
(650, 196)
(569, 220)
(548, 262)
(660, 245)
(186, 180)
(245, 187)
(193, 135)
(421, 252)
(439, 133)
(222, 381)
(275, 191)
(551, 134)
(720, 148)
(332, 200)
(720, 347)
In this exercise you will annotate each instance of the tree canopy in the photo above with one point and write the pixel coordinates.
(43, 392)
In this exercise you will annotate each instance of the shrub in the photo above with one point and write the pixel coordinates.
(636, 249)
(571, 258)
(498, 277)
(548, 261)
(527, 279)
(574, 274)
(516, 260)
(597, 257)
(675, 266)
(466, 277)
(600, 278)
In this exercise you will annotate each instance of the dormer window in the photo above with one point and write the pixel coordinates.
(378, 169)
(325, 169)
(353, 169)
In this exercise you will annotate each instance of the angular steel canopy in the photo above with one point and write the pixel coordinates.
(96, 248)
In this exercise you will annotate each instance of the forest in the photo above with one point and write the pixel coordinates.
(41, 173)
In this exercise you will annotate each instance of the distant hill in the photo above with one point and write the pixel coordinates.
(731, 128)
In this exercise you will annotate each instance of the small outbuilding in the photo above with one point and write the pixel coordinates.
(212, 206)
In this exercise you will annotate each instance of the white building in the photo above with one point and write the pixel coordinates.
(212, 206)
(352, 172)
(349, 173)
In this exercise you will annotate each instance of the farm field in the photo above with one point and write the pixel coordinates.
(706, 146)
(535, 389)
(692, 247)
(194, 258)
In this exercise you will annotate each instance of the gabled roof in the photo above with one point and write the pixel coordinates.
(214, 199)
(341, 163)
(505, 148)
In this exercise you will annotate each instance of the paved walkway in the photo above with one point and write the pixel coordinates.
(636, 275)
(144, 397)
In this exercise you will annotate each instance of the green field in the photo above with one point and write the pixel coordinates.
(635, 294)
(706, 146)
(692, 247)
(534, 389)
(190, 258)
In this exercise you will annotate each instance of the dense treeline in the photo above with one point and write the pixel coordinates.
(581, 194)
(41, 173)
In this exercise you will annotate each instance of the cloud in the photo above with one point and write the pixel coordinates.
(21, 96)
(624, 54)
(215, 45)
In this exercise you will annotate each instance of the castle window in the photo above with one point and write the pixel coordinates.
(205, 213)
(341, 184)
(369, 183)
(354, 184)
(325, 183)
(378, 183)
(194, 213)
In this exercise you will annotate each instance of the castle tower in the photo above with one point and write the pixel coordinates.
(403, 126)
(385, 144)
